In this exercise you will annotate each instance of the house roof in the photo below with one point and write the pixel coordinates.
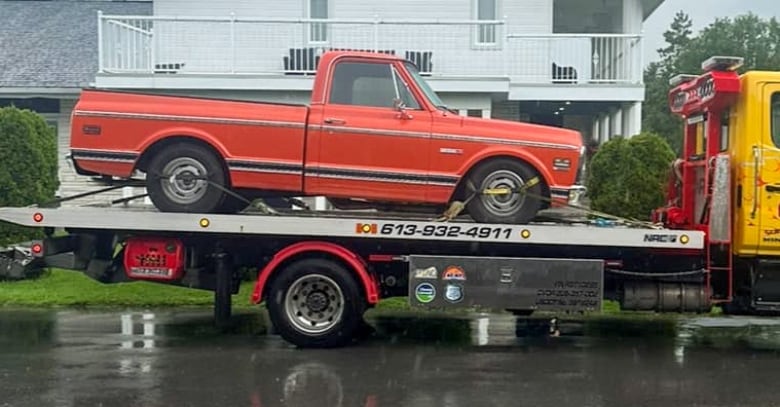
(53, 44)
(649, 6)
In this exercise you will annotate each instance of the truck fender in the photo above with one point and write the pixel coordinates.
(497, 152)
(183, 132)
(354, 262)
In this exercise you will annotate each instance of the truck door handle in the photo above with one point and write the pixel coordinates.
(772, 188)
(333, 120)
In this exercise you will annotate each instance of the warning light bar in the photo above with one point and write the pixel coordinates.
(721, 63)
(681, 78)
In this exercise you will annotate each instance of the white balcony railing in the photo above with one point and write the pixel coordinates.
(445, 48)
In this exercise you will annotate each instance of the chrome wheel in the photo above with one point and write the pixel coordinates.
(314, 304)
(504, 204)
(184, 180)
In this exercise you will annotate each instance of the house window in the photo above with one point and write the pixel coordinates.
(318, 9)
(369, 84)
(486, 10)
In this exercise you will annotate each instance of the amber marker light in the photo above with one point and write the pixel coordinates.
(204, 222)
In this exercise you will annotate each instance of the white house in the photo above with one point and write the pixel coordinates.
(572, 63)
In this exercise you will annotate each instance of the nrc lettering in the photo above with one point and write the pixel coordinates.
(660, 238)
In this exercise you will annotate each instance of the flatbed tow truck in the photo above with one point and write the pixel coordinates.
(319, 272)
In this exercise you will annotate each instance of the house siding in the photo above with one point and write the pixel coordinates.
(263, 46)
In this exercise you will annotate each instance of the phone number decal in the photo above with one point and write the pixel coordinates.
(412, 229)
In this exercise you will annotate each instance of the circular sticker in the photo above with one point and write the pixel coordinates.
(425, 293)
(453, 292)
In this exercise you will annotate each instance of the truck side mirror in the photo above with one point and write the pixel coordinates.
(399, 105)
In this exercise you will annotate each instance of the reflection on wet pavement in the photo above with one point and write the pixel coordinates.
(175, 358)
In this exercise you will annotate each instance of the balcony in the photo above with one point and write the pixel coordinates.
(230, 47)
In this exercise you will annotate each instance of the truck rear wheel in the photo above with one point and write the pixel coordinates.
(315, 303)
(507, 208)
(186, 177)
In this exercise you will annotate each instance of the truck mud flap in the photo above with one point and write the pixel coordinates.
(437, 282)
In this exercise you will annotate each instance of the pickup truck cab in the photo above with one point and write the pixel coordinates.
(375, 134)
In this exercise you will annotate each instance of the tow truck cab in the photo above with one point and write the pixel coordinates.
(727, 181)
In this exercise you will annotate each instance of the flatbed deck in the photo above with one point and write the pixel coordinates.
(356, 226)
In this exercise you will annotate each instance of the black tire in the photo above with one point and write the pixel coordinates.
(186, 159)
(515, 208)
(341, 329)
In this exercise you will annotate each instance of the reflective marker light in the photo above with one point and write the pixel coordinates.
(38, 217)
(684, 239)
(721, 63)
(525, 233)
(204, 222)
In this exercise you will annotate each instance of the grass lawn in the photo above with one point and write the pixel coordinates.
(64, 288)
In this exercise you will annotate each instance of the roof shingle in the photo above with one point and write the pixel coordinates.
(54, 43)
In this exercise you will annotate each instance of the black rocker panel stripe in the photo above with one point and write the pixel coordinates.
(382, 176)
(342, 173)
(107, 155)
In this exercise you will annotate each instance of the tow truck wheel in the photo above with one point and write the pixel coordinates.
(186, 177)
(506, 208)
(315, 303)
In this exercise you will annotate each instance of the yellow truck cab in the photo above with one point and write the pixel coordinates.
(727, 181)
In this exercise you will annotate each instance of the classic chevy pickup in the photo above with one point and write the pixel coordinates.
(374, 134)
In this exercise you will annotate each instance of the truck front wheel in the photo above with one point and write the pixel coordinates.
(186, 177)
(505, 208)
(315, 303)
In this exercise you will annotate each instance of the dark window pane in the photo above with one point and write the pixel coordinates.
(363, 84)
(776, 118)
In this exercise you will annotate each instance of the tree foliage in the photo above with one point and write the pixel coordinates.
(756, 40)
(28, 165)
(627, 176)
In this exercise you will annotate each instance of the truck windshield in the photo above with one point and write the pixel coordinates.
(426, 89)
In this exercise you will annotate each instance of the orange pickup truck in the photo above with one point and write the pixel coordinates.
(375, 134)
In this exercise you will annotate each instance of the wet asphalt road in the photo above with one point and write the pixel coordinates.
(163, 358)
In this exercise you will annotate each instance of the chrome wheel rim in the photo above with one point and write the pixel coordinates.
(504, 204)
(314, 304)
(184, 180)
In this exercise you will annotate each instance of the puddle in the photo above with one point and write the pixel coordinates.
(24, 329)
(177, 357)
(731, 332)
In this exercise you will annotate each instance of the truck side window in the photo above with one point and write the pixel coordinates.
(368, 84)
(775, 118)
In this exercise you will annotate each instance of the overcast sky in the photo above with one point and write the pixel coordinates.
(702, 12)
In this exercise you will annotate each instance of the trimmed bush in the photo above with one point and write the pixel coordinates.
(628, 177)
(28, 166)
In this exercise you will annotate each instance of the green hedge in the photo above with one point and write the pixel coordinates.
(628, 177)
(28, 165)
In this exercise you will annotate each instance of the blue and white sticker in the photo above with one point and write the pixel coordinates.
(425, 293)
(453, 292)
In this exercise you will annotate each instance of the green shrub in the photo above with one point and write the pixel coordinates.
(28, 166)
(628, 177)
